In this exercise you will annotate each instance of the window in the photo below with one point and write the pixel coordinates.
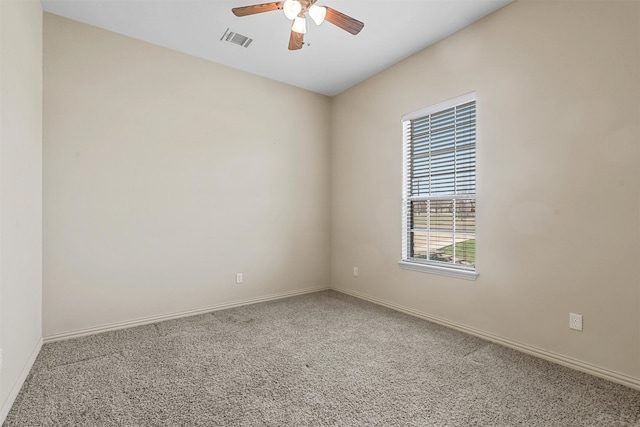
(439, 188)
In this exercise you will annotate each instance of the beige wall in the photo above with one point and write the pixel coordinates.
(558, 92)
(165, 175)
(20, 193)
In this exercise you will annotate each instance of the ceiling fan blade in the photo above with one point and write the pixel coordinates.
(343, 21)
(257, 8)
(296, 40)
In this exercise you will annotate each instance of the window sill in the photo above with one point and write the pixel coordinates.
(443, 271)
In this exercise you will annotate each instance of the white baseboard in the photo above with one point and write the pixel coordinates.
(13, 393)
(160, 318)
(525, 348)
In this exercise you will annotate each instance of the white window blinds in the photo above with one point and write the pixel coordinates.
(439, 184)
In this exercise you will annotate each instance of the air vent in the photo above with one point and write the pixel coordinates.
(235, 38)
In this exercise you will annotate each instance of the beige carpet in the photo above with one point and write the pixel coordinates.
(322, 359)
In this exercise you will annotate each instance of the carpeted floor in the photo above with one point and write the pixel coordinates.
(323, 359)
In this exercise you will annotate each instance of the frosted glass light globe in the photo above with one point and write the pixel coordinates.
(291, 8)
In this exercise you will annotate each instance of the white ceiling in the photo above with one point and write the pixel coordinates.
(334, 60)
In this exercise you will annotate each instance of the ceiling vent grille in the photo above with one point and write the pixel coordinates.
(235, 38)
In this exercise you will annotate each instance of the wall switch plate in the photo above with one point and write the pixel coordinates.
(239, 278)
(355, 271)
(575, 321)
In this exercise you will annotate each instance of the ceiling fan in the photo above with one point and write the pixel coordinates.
(295, 10)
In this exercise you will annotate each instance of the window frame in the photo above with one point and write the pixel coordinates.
(429, 266)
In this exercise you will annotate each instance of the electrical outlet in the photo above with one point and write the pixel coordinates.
(575, 321)
(355, 271)
(239, 278)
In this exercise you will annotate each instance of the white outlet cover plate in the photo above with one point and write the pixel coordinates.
(575, 321)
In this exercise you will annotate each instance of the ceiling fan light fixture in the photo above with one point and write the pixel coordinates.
(292, 8)
(317, 13)
(299, 25)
